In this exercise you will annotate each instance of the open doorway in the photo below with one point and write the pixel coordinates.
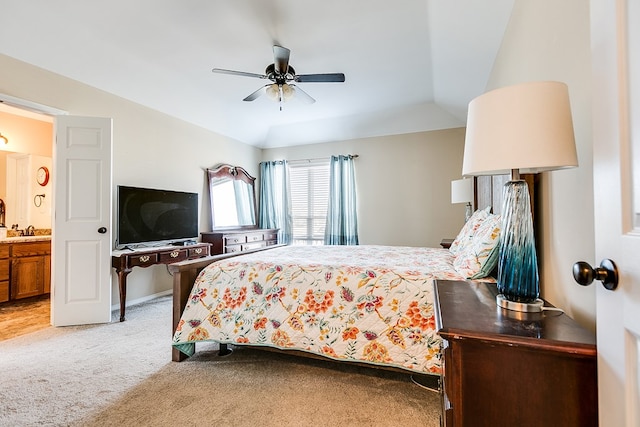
(26, 193)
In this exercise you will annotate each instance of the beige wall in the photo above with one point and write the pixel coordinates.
(550, 40)
(26, 136)
(149, 148)
(404, 184)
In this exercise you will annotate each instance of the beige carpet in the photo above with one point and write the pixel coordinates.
(120, 374)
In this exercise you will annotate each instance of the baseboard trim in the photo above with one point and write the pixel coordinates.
(143, 299)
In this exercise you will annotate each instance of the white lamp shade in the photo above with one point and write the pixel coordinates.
(462, 191)
(526, 127)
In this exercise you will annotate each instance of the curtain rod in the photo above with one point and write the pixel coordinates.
(353, 156)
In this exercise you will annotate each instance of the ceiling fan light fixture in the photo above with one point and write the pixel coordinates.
(273, 92)
(288, 92)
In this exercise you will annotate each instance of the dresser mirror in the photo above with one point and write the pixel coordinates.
(232, 196)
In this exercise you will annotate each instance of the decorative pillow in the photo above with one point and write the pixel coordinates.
(478, 258)
(465, 235)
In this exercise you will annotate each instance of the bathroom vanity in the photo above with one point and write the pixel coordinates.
(25, 267)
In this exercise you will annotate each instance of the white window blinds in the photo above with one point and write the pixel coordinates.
(309, 199)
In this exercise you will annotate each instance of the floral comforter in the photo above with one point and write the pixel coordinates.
(370, 304)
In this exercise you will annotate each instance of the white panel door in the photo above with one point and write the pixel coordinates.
(615, 45)
(81, 253)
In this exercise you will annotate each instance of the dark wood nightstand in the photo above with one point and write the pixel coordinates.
(507, 368)
(446, 243)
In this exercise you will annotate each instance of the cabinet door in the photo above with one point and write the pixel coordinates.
(47, 274)
(27, 277)
(4, 279)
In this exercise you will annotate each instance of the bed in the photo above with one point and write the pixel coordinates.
(365, 304)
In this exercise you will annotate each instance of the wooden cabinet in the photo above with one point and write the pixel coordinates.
(25, 269)
(27, 279)
(4, 272)
(506, 368)
(238, 240)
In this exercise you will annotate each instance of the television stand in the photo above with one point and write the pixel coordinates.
(124, 261)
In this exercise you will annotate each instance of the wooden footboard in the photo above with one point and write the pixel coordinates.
(184, 275)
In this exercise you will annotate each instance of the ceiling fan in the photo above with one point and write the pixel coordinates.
(282, 76)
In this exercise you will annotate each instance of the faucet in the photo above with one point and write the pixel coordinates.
(30, 231)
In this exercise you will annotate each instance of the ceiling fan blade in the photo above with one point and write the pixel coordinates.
(281, 59)
(257, 93)
(320, 78)
(238, 73)
(302, 95)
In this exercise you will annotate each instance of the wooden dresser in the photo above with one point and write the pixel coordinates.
(239, 239)
(506, 368)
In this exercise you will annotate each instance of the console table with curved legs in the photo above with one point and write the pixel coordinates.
(124, 260)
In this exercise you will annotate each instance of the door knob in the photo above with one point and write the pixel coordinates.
(102, 230)
(607, 273)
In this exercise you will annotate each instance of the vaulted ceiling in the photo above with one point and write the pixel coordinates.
(410, 65)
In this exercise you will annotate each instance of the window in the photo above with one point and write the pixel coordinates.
(309, 185)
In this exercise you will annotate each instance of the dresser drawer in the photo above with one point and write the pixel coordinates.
(173, 256)
(252, 245)
(254, 237)
(198, 252)
(232, 248)
(234, 239)
(4, 251)
(143, 260)
(271, 236)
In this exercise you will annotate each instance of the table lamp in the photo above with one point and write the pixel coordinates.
(522, 128)
(462, 192)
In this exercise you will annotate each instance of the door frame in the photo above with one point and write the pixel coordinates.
(36, 111)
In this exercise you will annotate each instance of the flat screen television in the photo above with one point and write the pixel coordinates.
(151, 217)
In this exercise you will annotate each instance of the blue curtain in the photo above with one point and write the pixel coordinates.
(342, 218)
(275, 199)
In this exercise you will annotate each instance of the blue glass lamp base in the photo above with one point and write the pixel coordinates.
(518, 279)
(529, 307)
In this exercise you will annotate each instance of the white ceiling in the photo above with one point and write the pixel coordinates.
(410, 65)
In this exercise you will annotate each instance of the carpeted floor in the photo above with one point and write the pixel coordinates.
(120, 374)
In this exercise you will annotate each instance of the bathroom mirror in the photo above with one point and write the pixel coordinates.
(27, 201)
(232, 197)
